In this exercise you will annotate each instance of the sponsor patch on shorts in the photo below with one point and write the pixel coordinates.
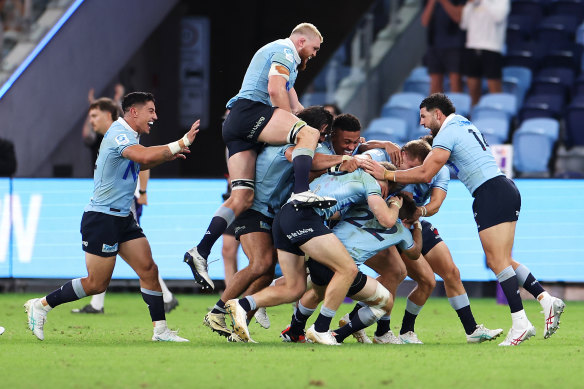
(106, 248)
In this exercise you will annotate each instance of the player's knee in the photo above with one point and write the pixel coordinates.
(242, 194)
(451, 275)
(380, 302)
(94, 286)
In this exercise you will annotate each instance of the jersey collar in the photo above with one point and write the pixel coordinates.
(288, 42)
(447, 120)
(127, 126)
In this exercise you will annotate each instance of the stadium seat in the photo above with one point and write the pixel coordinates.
(406, 99)
(410, 115)
(557, 29)
(520, 28)
(517, 81)
(532, 8)
(417, 85)
(461, 101)
(495, 130)
(574, 118)
(419, 73)
(387, 128)
(497, 104)
(567, 7)
(533, 145)
(549, 106)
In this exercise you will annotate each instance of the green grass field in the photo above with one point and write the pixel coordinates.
(114, 351)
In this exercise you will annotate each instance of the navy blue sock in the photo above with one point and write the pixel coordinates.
(155, 303)
(533, 286)
(219, 307)
(511, 289)
(245, 304)
(354, 311)
(382, 326)
(216, 228)
(298, 323)
(408, 323)
(345, 331)
(467, 319)
(302, 164)
(64, 294)
(322, 323)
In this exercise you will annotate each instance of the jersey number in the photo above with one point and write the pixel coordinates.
(354, 220)
(483, 143)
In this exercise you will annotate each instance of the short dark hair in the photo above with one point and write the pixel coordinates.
(440, 101)
(346, 122)
(134, 98)
(408, 208)
(107, 105)
(316, 116)
(417, 148)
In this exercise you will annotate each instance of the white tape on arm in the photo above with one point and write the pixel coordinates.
(186, 140)
(174, 147)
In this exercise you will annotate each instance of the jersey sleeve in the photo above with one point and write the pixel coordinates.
(371, 185)
(441, 179)
(121, 141)
(407, 242)
(445, 139)
(378, 155)
(285, 57)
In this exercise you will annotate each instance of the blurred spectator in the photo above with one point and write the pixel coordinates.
(91, 137)
(485, 22)
(445, 42)
(7, 158)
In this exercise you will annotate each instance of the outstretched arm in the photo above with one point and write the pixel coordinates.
(423, 173)
(148, 157)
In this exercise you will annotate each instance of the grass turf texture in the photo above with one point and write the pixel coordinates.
(115, 351)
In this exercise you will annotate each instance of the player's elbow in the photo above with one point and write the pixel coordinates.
(387, 221)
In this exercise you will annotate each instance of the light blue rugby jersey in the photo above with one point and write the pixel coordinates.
(347, 189)
(470, 155)
(274, 179)
(363, 236)
(423, 191)
(115, 177)
(255, 81)
(379, 155)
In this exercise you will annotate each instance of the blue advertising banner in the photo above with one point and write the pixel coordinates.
(40, 238)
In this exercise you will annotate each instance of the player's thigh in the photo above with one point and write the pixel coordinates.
(99, 269)
(329, 251)
(387, 263)
(138, 255)
(497, 243)
(258, 247)
(241, 165)
(278, 127)
(419, 270)
(440, 259)
(293, 270)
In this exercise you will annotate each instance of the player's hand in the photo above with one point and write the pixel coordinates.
(394, 152)
(192, 134)
(349, 165)
(374, 168)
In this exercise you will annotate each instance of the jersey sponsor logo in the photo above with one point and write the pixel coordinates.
(106, 248)
(289, 55)
(122, 139)
(299, 233)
